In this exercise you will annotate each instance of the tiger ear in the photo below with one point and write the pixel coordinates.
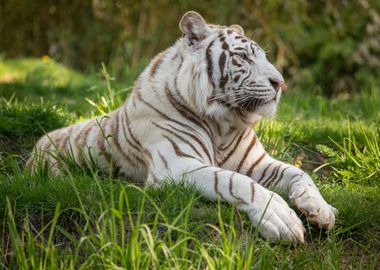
(237, 28)
(193, 26)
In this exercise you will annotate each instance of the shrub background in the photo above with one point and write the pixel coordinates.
(331, 47)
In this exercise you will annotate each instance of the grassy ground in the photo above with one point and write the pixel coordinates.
(87, 221)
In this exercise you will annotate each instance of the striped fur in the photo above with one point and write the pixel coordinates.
(190, 118)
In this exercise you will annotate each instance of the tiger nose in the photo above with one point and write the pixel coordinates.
(276, 83)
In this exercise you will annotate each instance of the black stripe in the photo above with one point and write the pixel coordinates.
(80, 133)
(232, 151)
(223, 148)
(133, 136)
(230, 188)
(274, 183)
(218, 128)
(156, 64)
(120, 149)
(198, 169)
(192, 116)
(102, 150)
(251, 145)
(274, 172)
(176, 81)
(250, 170)
(177, 150)
(163, 160)
(188, 113)
(165, 116)
(265, 170)
(127, 139)
(216, 185)
(222, 63)
(253, 191)
(83, 141)
(63, 144)
(204, 148)
(209, 64)
(292, 182)
(246, 78)
(180, 138)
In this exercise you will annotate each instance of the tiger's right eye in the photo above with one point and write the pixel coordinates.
(243, 56)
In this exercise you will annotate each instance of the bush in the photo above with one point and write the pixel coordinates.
(325, 46)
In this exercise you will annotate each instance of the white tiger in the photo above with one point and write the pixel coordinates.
(190, 118)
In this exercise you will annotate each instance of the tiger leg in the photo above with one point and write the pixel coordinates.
(258, 165)
(75, 145)
(299, 187)
(266, 209)
(45, 154)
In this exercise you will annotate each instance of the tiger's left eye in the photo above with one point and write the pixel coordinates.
(243, 56)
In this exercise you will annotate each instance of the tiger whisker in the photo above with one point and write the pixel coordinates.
(236, 93)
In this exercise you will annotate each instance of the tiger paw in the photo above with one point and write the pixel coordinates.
(318, 212)
(276, 221)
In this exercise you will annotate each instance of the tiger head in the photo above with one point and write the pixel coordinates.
(239, 77)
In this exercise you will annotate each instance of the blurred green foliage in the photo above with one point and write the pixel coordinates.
(325, 46)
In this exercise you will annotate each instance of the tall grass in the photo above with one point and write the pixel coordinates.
(123, 236)
(87, 220)
(356, 163)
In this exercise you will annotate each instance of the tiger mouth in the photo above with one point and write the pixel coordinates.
(251, 105)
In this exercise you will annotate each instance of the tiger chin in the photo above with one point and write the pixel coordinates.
(189, 118)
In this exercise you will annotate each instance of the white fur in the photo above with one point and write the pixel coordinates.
(200, 139)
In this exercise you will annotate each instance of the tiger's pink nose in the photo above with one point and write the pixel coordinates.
(276, 83)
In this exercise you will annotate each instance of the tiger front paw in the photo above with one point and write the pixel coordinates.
(276, 221)
(318, 212)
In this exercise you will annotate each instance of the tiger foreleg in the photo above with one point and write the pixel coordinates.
(301, 190)
(266, 209)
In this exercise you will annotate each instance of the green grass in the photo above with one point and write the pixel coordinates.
(34, 80)
(91, 221)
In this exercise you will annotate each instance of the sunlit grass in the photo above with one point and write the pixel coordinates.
(34, 79)
(90, 222)
(85, 220)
